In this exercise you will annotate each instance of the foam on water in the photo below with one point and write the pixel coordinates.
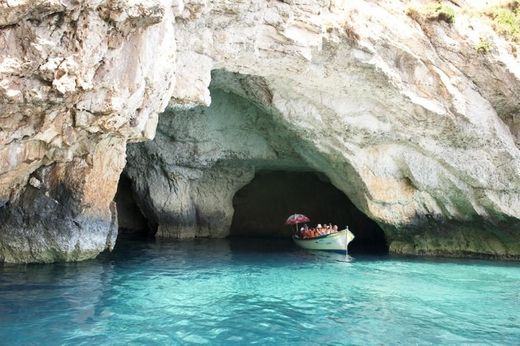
(221, 292)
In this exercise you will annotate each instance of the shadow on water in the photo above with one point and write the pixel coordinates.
(205, 252)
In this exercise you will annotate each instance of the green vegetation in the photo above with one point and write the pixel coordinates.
(440, 11)
(506, 20)
(483, 46)
(504, 17)
(412, 13)
(433, 11)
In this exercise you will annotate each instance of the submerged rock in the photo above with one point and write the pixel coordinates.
(404, 112)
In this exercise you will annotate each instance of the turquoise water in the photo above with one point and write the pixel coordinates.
(226, 293)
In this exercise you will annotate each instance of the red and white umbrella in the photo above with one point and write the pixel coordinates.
(295, 219)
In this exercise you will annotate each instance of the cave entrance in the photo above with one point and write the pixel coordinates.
(132, 223)
(262, 206)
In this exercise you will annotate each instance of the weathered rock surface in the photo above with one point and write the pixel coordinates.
(77, 81)
(66, 213)
(404, 115)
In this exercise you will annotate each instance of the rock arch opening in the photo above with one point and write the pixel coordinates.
(260, 209)
(131, 221)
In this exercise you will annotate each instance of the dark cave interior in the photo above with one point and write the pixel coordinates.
(262, 206)
(132, 222)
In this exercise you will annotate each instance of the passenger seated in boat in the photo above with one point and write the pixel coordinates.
(299, 234)
(335, 228)
(327, 229)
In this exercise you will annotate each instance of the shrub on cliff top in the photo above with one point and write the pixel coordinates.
(506, 20)
(433, 11)
(439, 11)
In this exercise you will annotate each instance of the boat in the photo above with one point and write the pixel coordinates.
(336, 242)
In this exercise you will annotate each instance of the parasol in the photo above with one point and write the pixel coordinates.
(295, 219)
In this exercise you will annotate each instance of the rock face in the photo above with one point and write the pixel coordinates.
(77, 81)
(404, 115)
(63, 214)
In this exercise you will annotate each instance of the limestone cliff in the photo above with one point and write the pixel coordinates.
(78, 81)
(412, 114)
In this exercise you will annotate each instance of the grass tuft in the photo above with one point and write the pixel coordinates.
(483, 46)
(433, 11)
(506, 20)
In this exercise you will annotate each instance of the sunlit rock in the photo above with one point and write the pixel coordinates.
(402, 112)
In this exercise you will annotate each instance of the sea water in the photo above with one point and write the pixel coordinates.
(251, 292)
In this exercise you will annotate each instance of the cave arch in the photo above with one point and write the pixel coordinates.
(260, 209)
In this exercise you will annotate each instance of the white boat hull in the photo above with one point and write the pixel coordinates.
(337, 242)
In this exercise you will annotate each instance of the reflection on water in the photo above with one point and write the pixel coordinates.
(270, 292)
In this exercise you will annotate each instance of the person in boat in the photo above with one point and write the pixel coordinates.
(327, 229)
(303, 229)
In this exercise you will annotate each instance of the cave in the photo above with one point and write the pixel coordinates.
(262, 206)
(237, 169)
(131, 221)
